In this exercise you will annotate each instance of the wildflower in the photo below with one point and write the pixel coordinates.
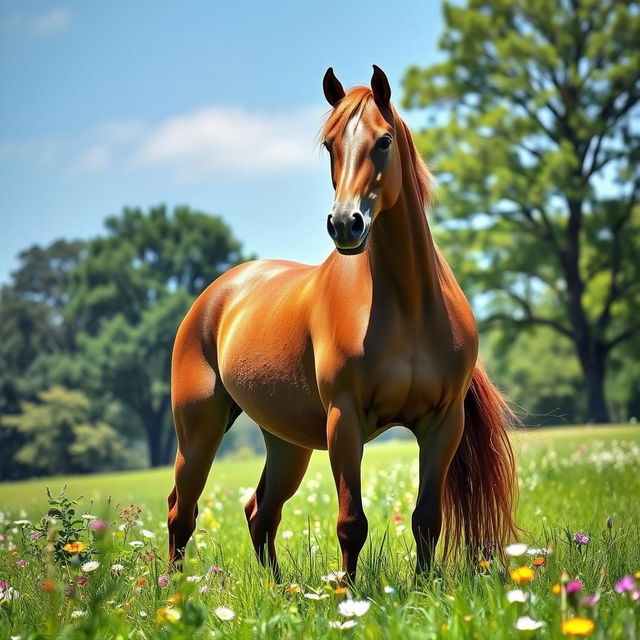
(523, 574)
(74, 547)
(347, 624)
(316, 596)
(78, 613)
(92, 565)
(293, 588)
(525, 623)
(398, 517)
(82, 581)
(539, 561)
(573, 587)
(215, 569)
(136, 544)
(516, 550)
(578, 627)
(175, 598)
(34, 536)
(89, 516)
(7, 594)
(193, 579)
(99, 526)
(167, 614)
(541, 551)
(142, 613)
(204, 589)
(225, 613)
(485, 564)
(341, 591)
(334, 576)
(163, 581)
(145, 533)
(590, 600)
(21, 563)
(389, 590)
(625, 584)
(142, 582)
(556, 589)
(22, 523)
(287, 534)
(517, 595)
(48, 586)
(581, 538)
(117, 568)
(350, 608)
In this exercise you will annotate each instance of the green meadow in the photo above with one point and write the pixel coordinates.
(116, 584)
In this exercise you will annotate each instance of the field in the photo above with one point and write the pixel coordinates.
(115, 583)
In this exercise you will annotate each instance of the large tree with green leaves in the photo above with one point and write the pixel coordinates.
(129, 295)
(535, 139)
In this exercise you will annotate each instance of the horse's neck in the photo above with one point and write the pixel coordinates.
(402, 252)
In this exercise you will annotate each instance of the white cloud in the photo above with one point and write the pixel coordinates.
(94, 159)
(52, 21)
(221, 140)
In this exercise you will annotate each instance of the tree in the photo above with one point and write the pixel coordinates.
(60, 438)
(129, 295)
(539, 167)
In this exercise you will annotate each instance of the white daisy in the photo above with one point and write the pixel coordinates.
(525, 623)
(516, 550)
(90, 566)
(224, 613)
(350, 608)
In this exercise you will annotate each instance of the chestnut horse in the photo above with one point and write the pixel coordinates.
(330, 356)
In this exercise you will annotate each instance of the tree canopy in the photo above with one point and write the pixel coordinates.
(532, 131)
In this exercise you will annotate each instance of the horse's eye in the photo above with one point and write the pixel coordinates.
(384, 143)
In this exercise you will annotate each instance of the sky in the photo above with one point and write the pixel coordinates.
(215, 105)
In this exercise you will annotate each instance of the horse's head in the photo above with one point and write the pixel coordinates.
(365, 162)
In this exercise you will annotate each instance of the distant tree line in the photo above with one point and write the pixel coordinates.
(86, 332)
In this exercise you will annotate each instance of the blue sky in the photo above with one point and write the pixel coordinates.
(211, 104)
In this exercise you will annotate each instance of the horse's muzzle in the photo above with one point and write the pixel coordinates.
(349, 231)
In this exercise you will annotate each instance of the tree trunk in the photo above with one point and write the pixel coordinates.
(594, 370)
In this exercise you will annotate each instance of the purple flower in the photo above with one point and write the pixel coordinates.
(34, 536)
(21, 563)
(573, 587)
(581, 538)
(82, 581)
(98, 526)
(590, 600)
(3, 584)
(215, 569)
(163, 580)
(625, 584)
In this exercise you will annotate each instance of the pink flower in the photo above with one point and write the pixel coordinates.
(3, 584)
(34, 536)
(215, 569)
(581, 538)
(21, 563)
(99, 526)
(590, 600)
(625, 584)
(573, 587)
(163, 580)
(204, 589)
(82, 581)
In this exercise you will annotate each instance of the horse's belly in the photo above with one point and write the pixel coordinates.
(274, 384)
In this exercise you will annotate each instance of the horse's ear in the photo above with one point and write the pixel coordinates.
(380, 87)
(333, 90)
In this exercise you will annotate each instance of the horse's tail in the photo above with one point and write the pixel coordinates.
(481, 489)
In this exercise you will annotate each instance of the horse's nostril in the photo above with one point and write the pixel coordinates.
(331, 228)
(357, 225)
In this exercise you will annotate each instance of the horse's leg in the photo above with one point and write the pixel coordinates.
(438, 444)
(345, 444)
(282, 474)
(200, 426)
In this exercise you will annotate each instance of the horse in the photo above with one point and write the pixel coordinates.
(329, 357)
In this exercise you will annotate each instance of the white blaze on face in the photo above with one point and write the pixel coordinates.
(353, 139)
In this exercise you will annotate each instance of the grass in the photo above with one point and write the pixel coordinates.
(572, 480)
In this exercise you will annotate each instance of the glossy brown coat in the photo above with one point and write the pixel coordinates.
(329, 357)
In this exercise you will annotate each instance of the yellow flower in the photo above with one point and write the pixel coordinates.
(484, 563)
(523, 574)
(555, 589)
(167, 614)
(578, 627)
(294, 588)
(340, 591)
(74, 547)
(175, 598)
